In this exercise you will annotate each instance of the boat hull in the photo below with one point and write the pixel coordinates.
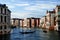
(27, 31)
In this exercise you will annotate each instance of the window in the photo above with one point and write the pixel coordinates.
(3, 10)
(5, 19)
(1, 18)
(58, 15)
(58, 23)
(5, 27)
(58, 20)
(58, 27)
(58, 9)
(0, 27)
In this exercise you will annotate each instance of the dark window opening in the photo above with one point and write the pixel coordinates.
(1, 18)
(5, 27)
(5, 19)
(58, 20)
(59, 27)
(58, 23)
(1, 10)
(0, 27)
(5, 11)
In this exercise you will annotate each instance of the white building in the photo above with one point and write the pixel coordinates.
(50, 19)
(25, 22)
(57, 9)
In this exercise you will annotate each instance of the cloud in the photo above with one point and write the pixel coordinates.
(11, 6)
(22, 4)
(33, 8)
(46, 6)
(30, 8)
(55, 3)
(12, 0)
(20, 14)
(40, 6)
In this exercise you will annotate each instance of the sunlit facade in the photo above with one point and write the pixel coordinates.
(16, 22)
(50, 20)
(57, 9)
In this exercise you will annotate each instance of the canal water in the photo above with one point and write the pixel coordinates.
(37, 35)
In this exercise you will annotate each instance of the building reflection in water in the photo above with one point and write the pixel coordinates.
(5, 37)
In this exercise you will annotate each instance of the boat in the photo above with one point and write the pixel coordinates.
(45, 30)
(27, 30)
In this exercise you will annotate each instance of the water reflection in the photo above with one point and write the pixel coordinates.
(5, 37)
(38, 35)
(53, 35)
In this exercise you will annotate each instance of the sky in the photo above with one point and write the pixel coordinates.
(30, 8)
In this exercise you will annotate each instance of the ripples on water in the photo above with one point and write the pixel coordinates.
(38, 35)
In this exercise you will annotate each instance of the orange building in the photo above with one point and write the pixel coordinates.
(33, 22)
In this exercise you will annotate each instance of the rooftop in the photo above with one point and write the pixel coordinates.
(51, 11)
(16, 19)
(4, 6)
(58, 6)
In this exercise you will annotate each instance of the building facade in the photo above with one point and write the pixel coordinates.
(25, 22)
(37, 22)
(50, 20)
(33, 22)
(5, 15)
(48, 17)
(43, 22)
(29, 22)
(16, 22)
(21, 22)
(57, 9)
